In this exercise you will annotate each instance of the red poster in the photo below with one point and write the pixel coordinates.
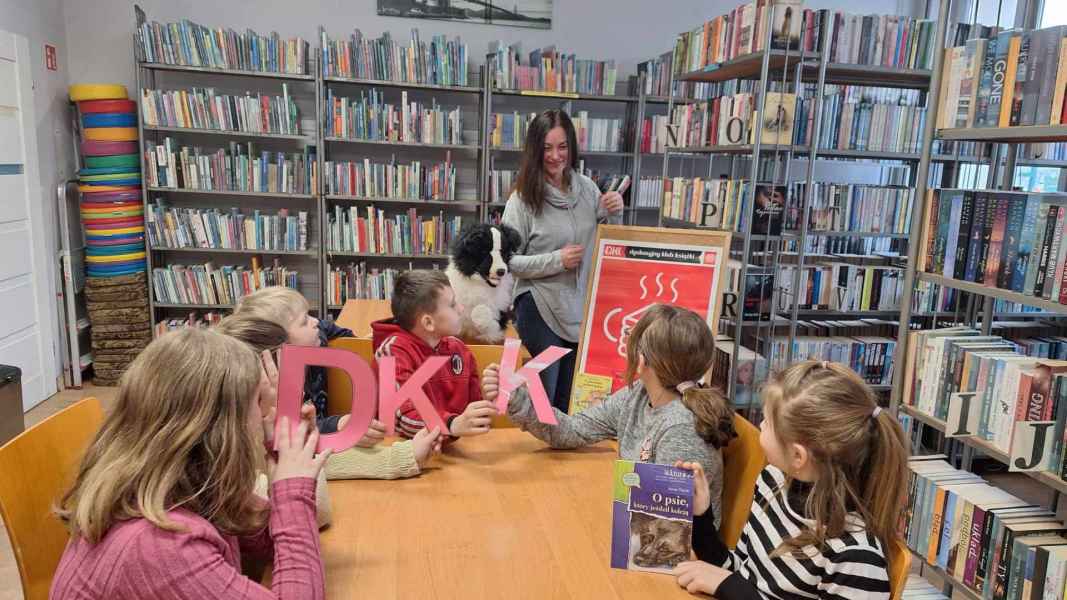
(629, 278)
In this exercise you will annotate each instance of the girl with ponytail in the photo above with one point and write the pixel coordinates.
(826, 510)
(663, 416)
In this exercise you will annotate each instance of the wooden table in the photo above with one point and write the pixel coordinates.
(496, 516)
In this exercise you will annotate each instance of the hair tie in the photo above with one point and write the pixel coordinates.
(685, 385)
(877, 411)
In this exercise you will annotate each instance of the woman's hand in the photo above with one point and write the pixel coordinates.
(426, 444)
(700, 577)
(701, 494)
(611, 202)
(491, 382)
(296, 451)
(572, 256)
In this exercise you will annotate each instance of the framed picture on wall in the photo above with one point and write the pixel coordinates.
(517, 13)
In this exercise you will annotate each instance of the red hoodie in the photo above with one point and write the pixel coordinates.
(450, 389)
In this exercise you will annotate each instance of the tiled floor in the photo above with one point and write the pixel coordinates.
(10, 589)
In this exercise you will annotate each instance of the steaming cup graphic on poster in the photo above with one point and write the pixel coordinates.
(629, 276)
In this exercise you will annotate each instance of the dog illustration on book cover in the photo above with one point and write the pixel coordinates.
(657, 543)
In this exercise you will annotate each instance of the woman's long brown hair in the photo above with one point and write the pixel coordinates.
(860, 456)
(530, 183)
(678, 346)
(180, 436)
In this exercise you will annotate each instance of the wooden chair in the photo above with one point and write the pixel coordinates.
(485, 355)
(338, 387)
(35, 469)
(899, 567)
(743, 459)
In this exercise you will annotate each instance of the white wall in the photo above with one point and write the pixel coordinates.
(99, 31)
(42, 22)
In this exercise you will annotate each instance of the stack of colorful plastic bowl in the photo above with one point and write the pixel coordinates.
(111, 206)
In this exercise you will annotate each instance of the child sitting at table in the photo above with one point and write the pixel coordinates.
(663, 416)
(827, 509)
(288, 308)
(403, 459)
(426, 319)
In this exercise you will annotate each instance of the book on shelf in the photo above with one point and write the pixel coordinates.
(768, 210)
(549, 70)
(193, 319)
(355, 281)
(654, 134)
(648, 192)
(501, 183)
(208, 284)
(835, 284)
(1011, 241)
(416, 180)
(848, 207)
(890, 41)
(371, 230)
(871, 357)
(593, 134)
(172, 227)
(776, 126)
(438, 62)
(370, 117)
(1000, 386)
(1014, 78)
(236, 168)
(751, 371)
(983, 538)
(188, 44)
(651, 516)
(713, 203)
(205, 108)
(657, 73)
(868, 118)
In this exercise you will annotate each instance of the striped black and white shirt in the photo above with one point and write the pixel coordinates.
(851, 566)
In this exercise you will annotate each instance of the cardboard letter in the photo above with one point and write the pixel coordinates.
(511, 380)
(392, 398)
(294, 361)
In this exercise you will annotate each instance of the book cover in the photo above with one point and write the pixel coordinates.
(1011, 65)
(1059, 86)
(1023, 71)
(589, 390)
(996, 242)
(1026, 243)
(779, 112)
(974, 245)
(1053, 257)
(985, 92)
(652, 517)
(768, 209)
(1012, 235)
(787, 17)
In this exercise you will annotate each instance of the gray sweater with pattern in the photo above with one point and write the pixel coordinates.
(658, 435)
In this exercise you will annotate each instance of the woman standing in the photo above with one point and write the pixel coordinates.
(556, 210)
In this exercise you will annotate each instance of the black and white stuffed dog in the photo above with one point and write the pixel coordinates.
(482, 281)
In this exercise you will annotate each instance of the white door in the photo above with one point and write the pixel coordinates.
(26, 328)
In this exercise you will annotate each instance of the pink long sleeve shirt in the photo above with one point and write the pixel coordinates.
(137, 560)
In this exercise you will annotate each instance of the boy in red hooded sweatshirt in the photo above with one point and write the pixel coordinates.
(426, 319)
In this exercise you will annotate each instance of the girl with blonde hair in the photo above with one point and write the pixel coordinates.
(825, 512)
(162, 505)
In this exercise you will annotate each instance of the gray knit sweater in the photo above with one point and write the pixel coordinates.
(660, 435)
(566, 218)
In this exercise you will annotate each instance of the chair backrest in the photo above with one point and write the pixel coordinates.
(485, 355)
(899, 567)
(338, 387)
(35, 469)
(743, 459)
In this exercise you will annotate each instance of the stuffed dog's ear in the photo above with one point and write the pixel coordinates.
(512, 239)
(468, 248)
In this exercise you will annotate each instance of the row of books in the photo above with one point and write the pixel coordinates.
(841, 286)
(869, 356)
(355, 281)
(172, 227)
(864, 118)
(1014, 78)
(882, 40)
(987, 540)
(501, 183)
(374, 231)
(508, 130)
(851, 207)
(865, 246)
(648, 193)
(657, 73)
(654, 134)
(438, 62)
(189, 44)
(713, 203)
(208, 284)
(549, 70)
(1012, 241)
(1004, 388)
(193, 319)
(204, 108)
(370, 117)
(932, 297)
(238, 168)
(413, 181)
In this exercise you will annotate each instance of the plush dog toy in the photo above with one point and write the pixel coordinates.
(482, 281)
